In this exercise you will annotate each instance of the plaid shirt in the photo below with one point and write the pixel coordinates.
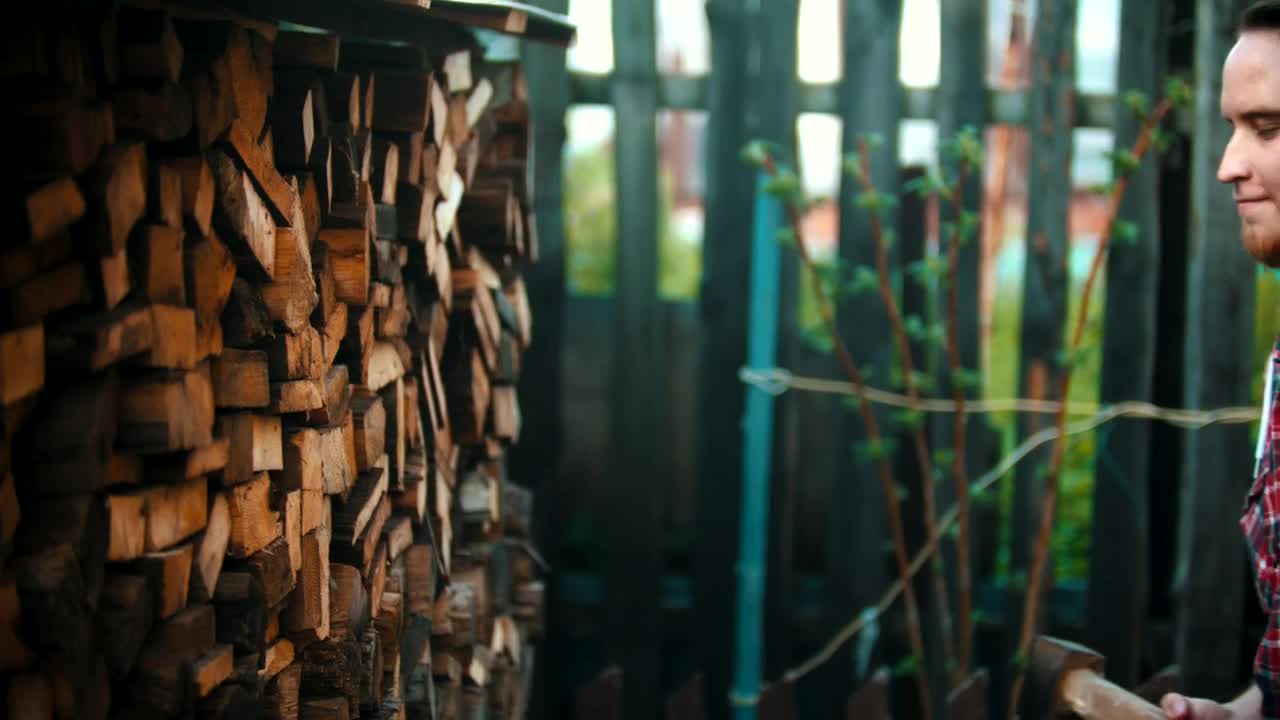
(1261, 525)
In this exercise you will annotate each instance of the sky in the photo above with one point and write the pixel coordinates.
(682, 27)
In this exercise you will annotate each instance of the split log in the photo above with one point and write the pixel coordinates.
(254, 525)
(370, 419)
(125, 613)
(168, 573)
(293, 128)
(255, 446)
(303, 472)
(162, 115)
(198, 190)
(403, 101)
(167, 413)
(210, 549)
(349, 253)
(117, 195)
(174, 342)
(49, 210)
(306, 617)
(317, 51)
(335, 399)
(21, 363)
(210, 274)
(297, 357)
(156, 253)
(240, 379)
(243, 216)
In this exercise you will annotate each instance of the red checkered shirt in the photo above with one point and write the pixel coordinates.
(1261, 525)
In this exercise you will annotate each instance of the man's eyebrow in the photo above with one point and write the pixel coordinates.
(1261, 114)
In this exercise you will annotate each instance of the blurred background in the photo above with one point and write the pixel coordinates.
(633, 408)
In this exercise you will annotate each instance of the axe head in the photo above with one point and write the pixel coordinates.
(1050, 660)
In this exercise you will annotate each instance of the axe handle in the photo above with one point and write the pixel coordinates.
(1093, 697)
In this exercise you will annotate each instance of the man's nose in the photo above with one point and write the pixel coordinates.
(1234, 166)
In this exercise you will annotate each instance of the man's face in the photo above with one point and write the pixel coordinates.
(1251, 161)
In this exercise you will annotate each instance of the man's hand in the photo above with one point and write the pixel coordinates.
(1180, 707)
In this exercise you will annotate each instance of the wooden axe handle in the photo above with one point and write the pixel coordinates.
(1093, 697)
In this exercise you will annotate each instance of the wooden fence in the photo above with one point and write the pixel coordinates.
(633, 401)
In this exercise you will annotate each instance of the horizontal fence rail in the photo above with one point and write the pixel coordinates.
(690, 92)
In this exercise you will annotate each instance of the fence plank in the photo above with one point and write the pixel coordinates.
(535, 462)
(634, 570)
(774, 30)
(1044, 289)
(869, 102)
(725, 262)
(1118, 563)
(961, 97)
(1219, 349)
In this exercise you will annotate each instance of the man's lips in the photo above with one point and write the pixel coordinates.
(1244, 202)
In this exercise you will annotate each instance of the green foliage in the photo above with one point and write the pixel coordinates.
(1123, 162)
(1137, 103)
(591, 236)
(1124, 232)
(1178, 91)
(906, 667)
(870, 451)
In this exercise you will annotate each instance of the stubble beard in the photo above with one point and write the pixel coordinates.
(1262, 242)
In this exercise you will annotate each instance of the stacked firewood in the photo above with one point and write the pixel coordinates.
(262, 318)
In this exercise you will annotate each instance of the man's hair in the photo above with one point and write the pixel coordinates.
(1262, 15)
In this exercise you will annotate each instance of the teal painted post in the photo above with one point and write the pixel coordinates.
(757, 444)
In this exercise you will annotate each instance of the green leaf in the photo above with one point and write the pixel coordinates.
(1178, 91)
(870, 451)
(1137, 103)
(906, 667)
(914, 326)
(1123, 162)
(909, 419)
(786, 237)
(1124, 232)
(863, 280)
(755, 153)
(873, 201)
(851, 165)
(944, 456)
(924, 382)
(784, 185)
(966, 379)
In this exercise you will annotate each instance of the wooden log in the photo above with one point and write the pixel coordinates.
(279, 655)
(175, 513)
(292, 298)
(296, 396)
(306, 617)
(242, 214)
(349, 253)
(270, 568)
(62, 140)
(409, 154)
(210, 274)
(398, 533)
(273, 189)
(396, 444)
(420, 580)
(49, 210)
(212, 669)
(403, 103)
(162, 115)
(21, 363)
(147, 45)
(439, 115)
(210, 549)
(369, 418)
(128, 526)
(342, 90)
(255, 446)
(293, 128)
(125, 615)
(240, 379)
(359, 513)
(335, 399)
(156, 254)
(198, 191)
(457, 71)
(385, 366)
(303, 472)
(175, 468)
(348, 602)
(280, 698)
(337, 465)
(324, 709)
(413, 499)
(116, 191)
(321, 167)
(168, 573)
(385, 174)
(187, 635)
(110, 278)
(415, 216)
(48, 293)
(335, 328)
(254, 525)
(241, 614)
(167, 413)
(174, 341)
(246, 322)
(297, 357)
(317, 51)
(98, 341)
(67, 442)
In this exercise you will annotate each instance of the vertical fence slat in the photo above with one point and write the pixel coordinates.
(1044, 289)
(962, 102)
(725, 262)
(1219, 362)
(634, 570)
(855, 526)
(1118, 560)
(775, 32)
(535, 462)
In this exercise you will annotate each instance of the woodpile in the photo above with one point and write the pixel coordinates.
(262, 319)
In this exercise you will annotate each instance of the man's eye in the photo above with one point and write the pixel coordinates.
(1266, 133)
